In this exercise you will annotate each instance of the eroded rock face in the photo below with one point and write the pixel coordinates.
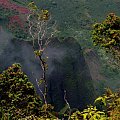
(70, 73)
(67, 70)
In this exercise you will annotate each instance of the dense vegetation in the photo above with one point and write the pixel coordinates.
(18, 99)
(108, 108)
(107, 35)
(17, 94)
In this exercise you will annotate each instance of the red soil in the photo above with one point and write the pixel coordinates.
(13, 6)
(16, 19)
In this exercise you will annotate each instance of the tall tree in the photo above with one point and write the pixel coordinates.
(41, 31)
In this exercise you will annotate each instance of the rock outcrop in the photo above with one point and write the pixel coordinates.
(70, 73)
(67, 70)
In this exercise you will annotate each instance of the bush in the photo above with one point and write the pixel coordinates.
(17, 94)
(107, 35)
(110, 104)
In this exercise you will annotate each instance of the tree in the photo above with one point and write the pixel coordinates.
(41, 31)
(107, 35)
(111, 104)
(110, 110)
(17, 94)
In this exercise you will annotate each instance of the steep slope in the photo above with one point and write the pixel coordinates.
(75, 17)
(7, 4)
(70, 73)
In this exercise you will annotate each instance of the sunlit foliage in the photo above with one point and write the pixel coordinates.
(107, 34)
(91, 113)
(110, 110)
(17, 94)
(111, 103)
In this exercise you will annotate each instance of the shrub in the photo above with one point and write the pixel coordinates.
(107, 34)
(17, 94)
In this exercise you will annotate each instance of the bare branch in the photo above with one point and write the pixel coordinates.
(38, 29)
(30, 29)
(65, 98)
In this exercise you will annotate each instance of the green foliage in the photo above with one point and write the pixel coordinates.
(102, 99)
(18, 99)
(46, 114)
(91, 113)
(107, 34)
(23, 3)
(42, 15)
(38, 52)
(17, 94)
(6, 13)
(110, 111)
(32, 6)
(111, 104)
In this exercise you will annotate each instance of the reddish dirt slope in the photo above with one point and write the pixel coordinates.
(10, 5)
(15, 21)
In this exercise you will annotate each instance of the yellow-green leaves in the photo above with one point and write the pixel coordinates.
(45, 14)
(38, 52)
(42, 14)
(32, 6)
(107, 35)
(101, 99)
(41, 81)
(91, 113)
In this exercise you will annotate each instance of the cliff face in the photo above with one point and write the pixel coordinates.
(70, 73)
(67, 70)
